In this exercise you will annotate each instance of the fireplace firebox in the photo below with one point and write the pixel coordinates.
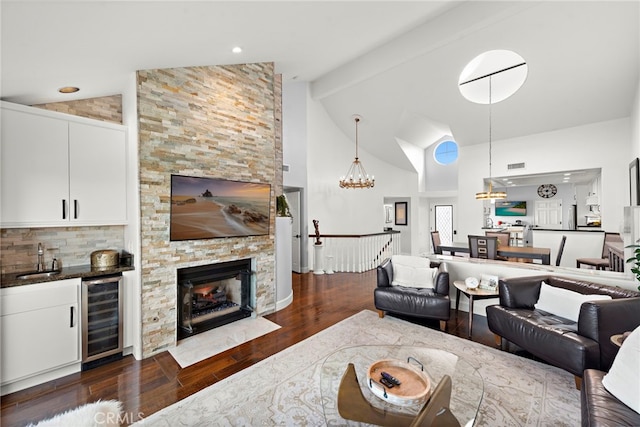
(213, 295)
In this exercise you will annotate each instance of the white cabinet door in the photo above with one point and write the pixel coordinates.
(61, 170)
(40, 328)
(35, 168)
(97, 174)
(548, 213)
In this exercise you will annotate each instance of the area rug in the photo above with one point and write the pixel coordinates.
(284, 389)
(103, 413)
(206, 344)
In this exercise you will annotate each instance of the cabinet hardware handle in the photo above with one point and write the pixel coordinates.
(75, 209)
(71, 317)
(64, 209)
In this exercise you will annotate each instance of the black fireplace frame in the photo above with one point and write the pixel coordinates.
(190, 277)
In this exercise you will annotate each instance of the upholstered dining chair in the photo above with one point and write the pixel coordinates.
(601, 263)
(483, 247)
(435, 241)
(560, 250)
(503, 236)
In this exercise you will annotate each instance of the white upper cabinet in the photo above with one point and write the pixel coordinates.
(97, 174)
(60, 170)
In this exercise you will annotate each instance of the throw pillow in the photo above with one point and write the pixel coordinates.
(563, 302)
(623, 379)
(412, 271)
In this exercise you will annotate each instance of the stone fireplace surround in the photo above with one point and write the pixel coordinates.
(218, 121)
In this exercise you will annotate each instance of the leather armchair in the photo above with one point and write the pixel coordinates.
(425, 303)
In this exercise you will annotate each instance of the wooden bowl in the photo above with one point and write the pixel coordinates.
(414, 388)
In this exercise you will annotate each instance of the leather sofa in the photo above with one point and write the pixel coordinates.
(570, 345)
(601, 408)
(427, 303)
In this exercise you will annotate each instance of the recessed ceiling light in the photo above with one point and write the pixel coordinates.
(236, 49)
(68, 89)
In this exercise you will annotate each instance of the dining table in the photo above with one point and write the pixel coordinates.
(525, 252)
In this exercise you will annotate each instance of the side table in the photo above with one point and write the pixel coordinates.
(472, 294)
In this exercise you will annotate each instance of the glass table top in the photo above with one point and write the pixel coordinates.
(467, 384)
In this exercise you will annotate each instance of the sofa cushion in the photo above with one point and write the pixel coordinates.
(412, 271)
(563, 302)
(622, 379)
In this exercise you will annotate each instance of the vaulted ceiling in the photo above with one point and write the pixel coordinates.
(394, 63)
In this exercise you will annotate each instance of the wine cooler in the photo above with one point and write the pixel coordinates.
(101, 321)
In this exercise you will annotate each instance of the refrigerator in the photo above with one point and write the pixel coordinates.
(572, 217)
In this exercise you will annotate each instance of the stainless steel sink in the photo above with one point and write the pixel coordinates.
(37, 274)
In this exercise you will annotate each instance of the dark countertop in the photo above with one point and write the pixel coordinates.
(581, 230)
(82, 271)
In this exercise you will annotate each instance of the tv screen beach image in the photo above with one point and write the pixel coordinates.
(511, 208)
(206, 208)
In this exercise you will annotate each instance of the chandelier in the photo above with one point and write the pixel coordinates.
(490, 194)
(356, 176)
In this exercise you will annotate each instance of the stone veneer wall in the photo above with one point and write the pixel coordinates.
(105, 108)
(219, 122)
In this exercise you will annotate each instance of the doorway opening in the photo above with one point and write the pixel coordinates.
(443, 220)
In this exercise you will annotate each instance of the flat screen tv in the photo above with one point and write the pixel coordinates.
(505, 208)
(209, 208)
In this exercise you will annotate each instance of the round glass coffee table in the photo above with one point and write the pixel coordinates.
(467, 387)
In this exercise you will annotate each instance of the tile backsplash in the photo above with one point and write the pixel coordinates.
(70, 245)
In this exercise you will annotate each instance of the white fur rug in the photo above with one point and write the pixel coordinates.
(284, 389)
(105, 413)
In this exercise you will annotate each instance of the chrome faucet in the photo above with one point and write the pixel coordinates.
(40, 266)
(489, 222)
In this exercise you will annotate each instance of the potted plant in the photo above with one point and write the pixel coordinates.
(282, 206)
(635, 259)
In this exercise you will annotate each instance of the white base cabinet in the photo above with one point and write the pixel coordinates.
(40, 326)
(61, 170)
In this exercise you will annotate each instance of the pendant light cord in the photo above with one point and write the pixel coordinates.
(490, 136)
(357, 121)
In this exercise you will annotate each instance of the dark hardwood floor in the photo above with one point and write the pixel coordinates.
(148, 385)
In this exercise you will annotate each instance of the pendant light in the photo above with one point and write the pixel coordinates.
(356, 176)
(490, 194)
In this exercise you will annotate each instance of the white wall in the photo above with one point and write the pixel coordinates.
(294, 133)
(133, 279)
(439, 177)
(602, 145)
(344, 211)
(635, 124)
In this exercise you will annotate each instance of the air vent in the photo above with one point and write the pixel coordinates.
(515, 166)
(285, 168)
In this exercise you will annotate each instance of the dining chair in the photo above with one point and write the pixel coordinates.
(601, 263)
(560, 250)
(503, 236)
(435, 241)
(483, 247)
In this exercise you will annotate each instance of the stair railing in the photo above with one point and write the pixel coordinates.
(356, 253)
